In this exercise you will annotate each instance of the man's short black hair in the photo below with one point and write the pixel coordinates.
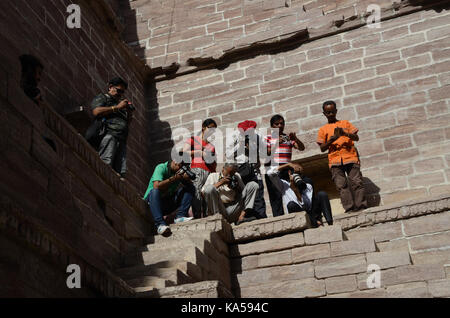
(328, 102)
(275, 118)
(208, 122)
(118, 81)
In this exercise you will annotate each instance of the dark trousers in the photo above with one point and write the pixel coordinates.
(345, 189)
(259, 208)
(276, 201)
(160, 206)
(320, 205)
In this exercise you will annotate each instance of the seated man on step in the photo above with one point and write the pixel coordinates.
(169, 189)
(226, 193)
(298, 194)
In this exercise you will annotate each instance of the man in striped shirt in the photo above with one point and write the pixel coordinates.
(279, 148)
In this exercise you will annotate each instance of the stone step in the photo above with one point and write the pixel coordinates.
(205, 289)
(180, 238)
(188, 254)
(150, 282)
(168, 271)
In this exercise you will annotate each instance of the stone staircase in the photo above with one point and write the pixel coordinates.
(192, 262)
(284, 257)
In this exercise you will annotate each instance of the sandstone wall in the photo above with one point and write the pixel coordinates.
(392, 83)
(60, 204)
(411, 249)
(167, 32)
(78, 62)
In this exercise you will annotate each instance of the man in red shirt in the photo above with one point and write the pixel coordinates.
(337, 137)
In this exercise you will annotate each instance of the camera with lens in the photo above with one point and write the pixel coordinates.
(131, 106)
(185, 169)
(233, 183)
(298, 181)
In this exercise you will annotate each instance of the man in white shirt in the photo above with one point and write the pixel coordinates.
(226, 193)
(296, 195)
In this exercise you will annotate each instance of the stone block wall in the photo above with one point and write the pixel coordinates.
(175, 31)
(78, 63)
(60, 205)
(411, 251)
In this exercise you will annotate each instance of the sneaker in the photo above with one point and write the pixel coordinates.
(183, 219)
(163, 229)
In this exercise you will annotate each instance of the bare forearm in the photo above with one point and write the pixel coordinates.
(353, 137)
(164, 185)
(299, 145)
(103, 111)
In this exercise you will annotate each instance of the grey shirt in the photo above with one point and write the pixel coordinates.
(116, 123)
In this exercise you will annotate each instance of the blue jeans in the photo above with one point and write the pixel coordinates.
(160, 206)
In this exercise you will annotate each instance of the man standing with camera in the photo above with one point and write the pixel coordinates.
(226, 193)
(170, 189)
(115, 113)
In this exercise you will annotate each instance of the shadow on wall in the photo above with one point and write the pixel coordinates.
(372, 193)
(158, 140)
(444, 5)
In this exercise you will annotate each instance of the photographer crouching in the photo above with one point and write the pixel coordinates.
(108, 134)
(170, 188)
(298, 194)
(226, 193)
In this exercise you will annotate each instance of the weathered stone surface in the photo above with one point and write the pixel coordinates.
(274, 274)
(342, 265)
(341, 284)
(268, 245)
(323, 235)
(207, 289)
(310, 253)
(389, 259)
(372, 293)
(289, 223)
(379, 232)
(439, 288)
(245, 263)
(427, 224)
(432, 257)
(393, 245)
(440, 240)
(405, 274)
(352, 247)
(408, 290)
(309, 287)
(275, 258)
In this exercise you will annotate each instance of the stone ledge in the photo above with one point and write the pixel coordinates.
(270, 227)
(397, 211)
(206, 289)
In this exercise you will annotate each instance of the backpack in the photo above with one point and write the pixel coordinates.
(96, 131)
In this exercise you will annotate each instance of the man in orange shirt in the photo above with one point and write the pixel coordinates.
(337, 137)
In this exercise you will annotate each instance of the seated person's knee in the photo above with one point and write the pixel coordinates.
(293, 207)
(209, 189)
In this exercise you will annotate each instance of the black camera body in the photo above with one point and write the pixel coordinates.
(185, 169)
(233, 183)
(131, 106)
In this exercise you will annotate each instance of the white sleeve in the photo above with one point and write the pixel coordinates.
(232, 146)
(273, 174)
